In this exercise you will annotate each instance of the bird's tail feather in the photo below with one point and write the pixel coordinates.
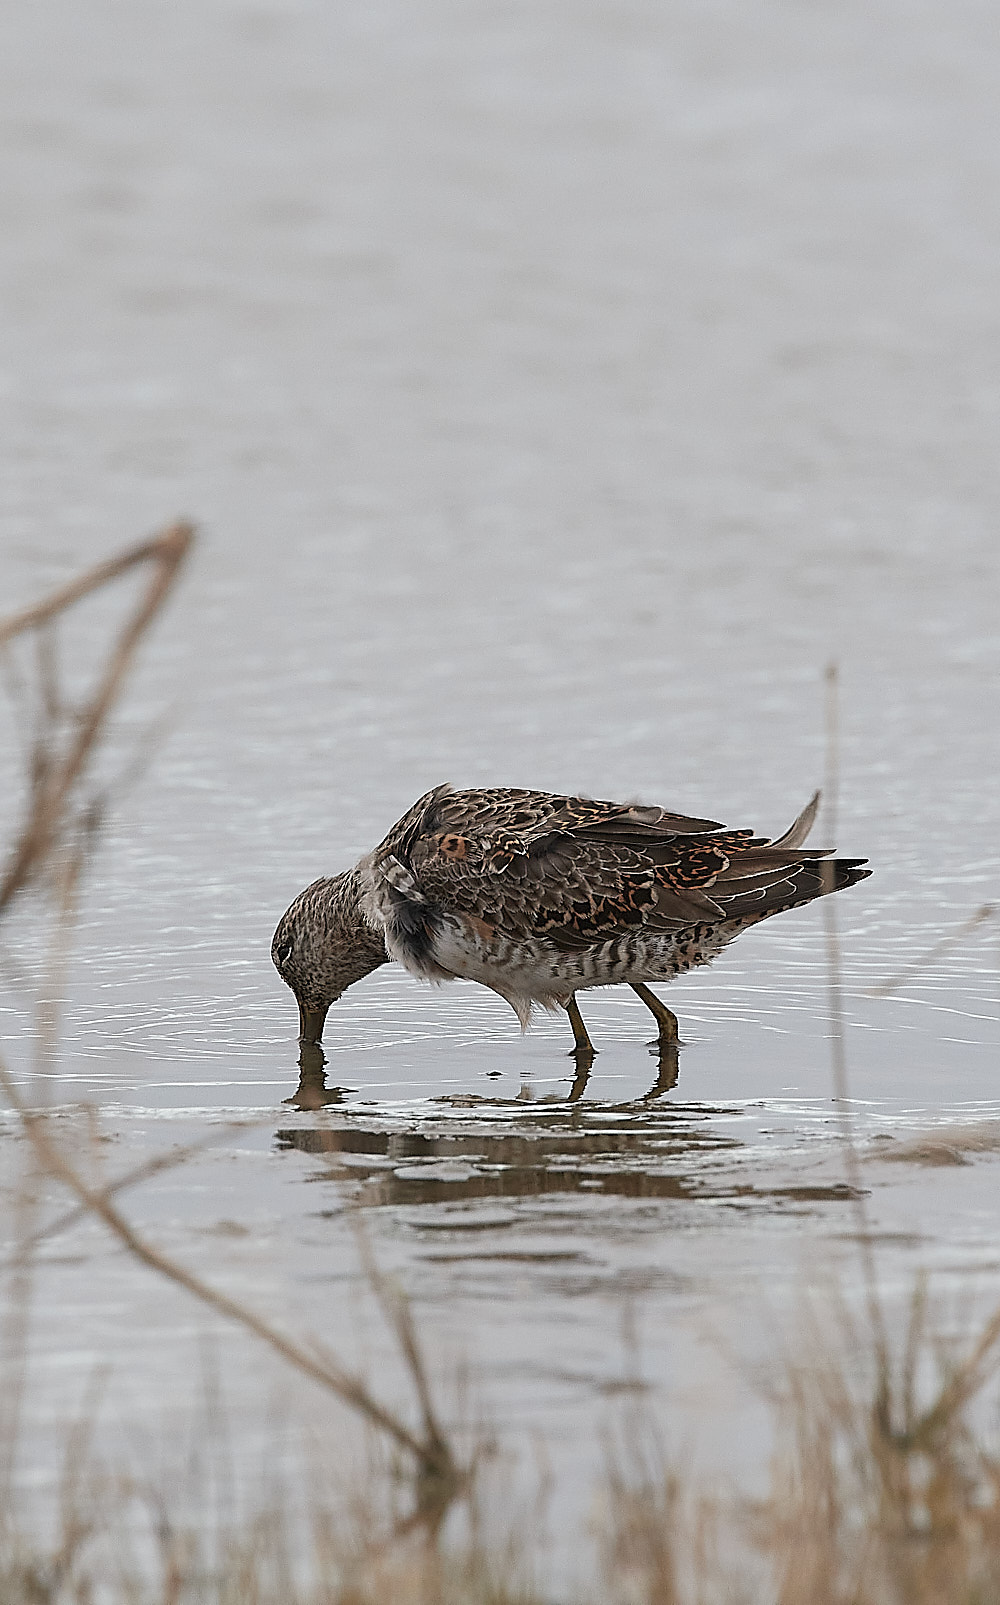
(802, 884)
(797, 832)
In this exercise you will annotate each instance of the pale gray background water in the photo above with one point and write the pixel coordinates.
(558, 388)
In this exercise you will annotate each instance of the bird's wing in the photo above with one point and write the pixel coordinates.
(576, 871)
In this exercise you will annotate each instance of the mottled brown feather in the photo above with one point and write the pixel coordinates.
(578, 871)
(538, 896)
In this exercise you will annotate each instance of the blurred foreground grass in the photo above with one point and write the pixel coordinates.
(881, 1493)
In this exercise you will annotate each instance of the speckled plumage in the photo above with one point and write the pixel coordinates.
(540, 896)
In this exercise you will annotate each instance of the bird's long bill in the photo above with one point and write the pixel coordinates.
(311, 1024)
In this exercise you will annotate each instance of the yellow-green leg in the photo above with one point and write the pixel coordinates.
(582, 1045)
(666, 1019)
(583, 1050)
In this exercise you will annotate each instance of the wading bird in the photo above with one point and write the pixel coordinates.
(539, 897)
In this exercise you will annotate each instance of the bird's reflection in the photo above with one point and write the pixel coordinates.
(550, 1151)
(668, 1068)
(667, 1072)
(637, 1149)
(312, 1091)
(591, 1150)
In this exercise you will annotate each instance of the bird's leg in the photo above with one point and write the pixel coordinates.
(667, 1042)
(582, 1045)
(666, 1019)
(583, 1050)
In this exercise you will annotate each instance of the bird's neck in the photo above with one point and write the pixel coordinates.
(345, 914)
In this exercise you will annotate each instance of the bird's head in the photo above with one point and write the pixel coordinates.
(322, 946)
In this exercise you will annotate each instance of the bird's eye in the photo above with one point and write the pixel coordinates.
(283, 951)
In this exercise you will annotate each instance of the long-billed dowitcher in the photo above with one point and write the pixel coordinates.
(539, 896)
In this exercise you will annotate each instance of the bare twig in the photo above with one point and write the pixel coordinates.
(55, 777)
(169, 547)
(886, 988)
(155, 1166)
(431, 1454)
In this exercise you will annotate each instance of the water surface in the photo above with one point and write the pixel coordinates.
(558, 391)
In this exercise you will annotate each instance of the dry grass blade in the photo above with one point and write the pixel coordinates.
(966, 1380)
(643, 1545)
(876, 1501)
(55, 776)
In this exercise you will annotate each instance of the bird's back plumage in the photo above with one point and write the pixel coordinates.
(539, 895)
(569, 876)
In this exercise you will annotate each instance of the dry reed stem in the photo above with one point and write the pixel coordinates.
(15, 1325)
(838, 1043)
(966, 1381)
(70, 871)
(918, 1431)
(441, 1478)
(643, 1548)
(54, 779)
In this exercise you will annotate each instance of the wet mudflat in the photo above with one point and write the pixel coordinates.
(557, 396)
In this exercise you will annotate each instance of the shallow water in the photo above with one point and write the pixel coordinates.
(557, 391)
